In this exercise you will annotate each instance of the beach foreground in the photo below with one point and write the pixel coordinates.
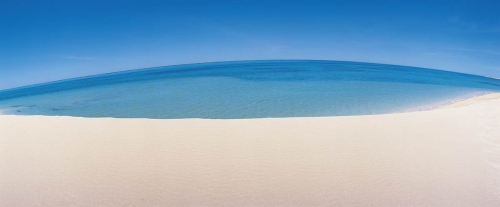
(444, 157)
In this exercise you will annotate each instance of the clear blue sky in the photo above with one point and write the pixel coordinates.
(43, 41)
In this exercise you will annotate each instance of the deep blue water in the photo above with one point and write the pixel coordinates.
(248, 89)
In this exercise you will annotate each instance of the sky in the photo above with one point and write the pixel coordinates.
(42, 41)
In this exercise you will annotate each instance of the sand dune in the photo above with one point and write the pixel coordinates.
(446, 157)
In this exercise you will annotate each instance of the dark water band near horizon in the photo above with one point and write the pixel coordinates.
(249, 89)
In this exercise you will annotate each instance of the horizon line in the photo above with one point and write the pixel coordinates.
(228, 61)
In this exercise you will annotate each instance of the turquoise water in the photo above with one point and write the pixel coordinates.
(248, 89)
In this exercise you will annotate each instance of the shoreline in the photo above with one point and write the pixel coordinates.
(458, 103)
(472, 100)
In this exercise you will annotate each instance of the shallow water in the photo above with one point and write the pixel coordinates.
(248, 89)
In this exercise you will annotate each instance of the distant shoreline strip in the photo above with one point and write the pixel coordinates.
(470, 101)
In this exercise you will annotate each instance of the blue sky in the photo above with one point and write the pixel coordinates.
(44, 41)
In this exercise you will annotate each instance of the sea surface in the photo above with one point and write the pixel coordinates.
(248, 89)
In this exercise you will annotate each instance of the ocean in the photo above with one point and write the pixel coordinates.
(249, 89)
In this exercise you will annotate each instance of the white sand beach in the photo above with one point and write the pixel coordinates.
(444, 157)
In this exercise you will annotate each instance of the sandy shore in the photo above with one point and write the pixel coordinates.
(446, 157)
